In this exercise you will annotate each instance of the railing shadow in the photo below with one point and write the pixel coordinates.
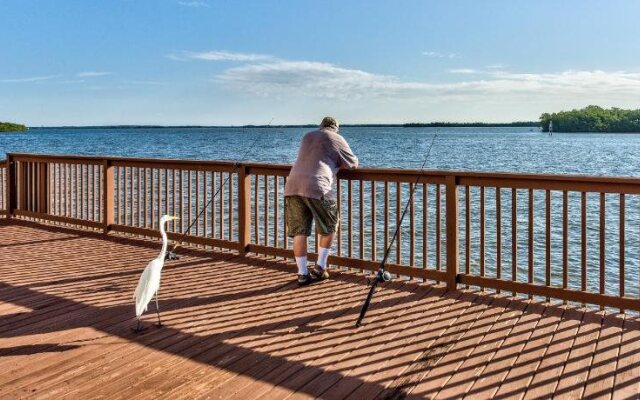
(266, 321)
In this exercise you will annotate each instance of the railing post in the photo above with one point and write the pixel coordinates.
(452, 232)
(108, 195)
(244, 209)
(43, 188)
(11, 190)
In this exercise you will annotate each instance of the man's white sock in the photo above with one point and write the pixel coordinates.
(323, 254)
(302, 265)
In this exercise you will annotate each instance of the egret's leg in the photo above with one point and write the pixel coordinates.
(158, 310)
(139, 327)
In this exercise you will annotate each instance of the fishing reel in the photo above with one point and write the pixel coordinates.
(381, 276)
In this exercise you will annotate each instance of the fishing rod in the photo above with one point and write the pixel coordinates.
(383, 275)
(171, 255)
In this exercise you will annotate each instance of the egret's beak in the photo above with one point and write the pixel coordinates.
(175, 218)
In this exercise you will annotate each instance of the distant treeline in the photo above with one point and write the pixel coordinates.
(407, 125)
(525, 124)
(593, 119)
(10, 127)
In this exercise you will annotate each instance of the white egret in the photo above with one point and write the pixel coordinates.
(149, 282)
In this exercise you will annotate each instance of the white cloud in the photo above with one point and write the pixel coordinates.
(220, 56)
(193, 3)
(29, 79)
(139, 82)
(91, 74)
(324, 80)
(314, 78)
(463, 71)
(437, 54)
(496, 66)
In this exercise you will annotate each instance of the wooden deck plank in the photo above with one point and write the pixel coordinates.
(290, 360)
(529, 358)
(429, 351)
(394, 359)
(182, 341)
(326, 384)
(550, 369)
(122, 328)
(360, 369)
(455, 385)
(602, 372)
(313, 363)
(576, 370)
(452, 348)
(494, 373)
(627, 381)
(239, 328)
(476, 349)
(258, 344)
(100, 324)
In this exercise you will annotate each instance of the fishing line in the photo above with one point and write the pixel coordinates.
(171, 254)
(382, 275)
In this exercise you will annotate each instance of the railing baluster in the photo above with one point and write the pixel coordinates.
(350, 218)
(152, 199)
(602, 243)
(137, 196)
(565, 239)
(412, 228)
(189, 196)
(266, 210)
(531, 239)
(178, 199)
(547, 271)
(386, 215)
(498, 234)
(205, 200)
(361, 219)
(398, 225)
(256, 231)
(425, 225)
(276, 203)
(373, 220)
(168, 176)
(339, 194)
(284, 222)
(583, 239)
(622, 245)
(213, 205)
(131, 194)
(230, 206)
(467, 230)
(438, 226)
(482, 232)
(514, 236)
(221, 205)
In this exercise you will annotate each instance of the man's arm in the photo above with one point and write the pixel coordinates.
(348, 160)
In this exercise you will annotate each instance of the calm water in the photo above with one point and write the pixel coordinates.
(486, 149)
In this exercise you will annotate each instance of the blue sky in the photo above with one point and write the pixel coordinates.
(82, 62)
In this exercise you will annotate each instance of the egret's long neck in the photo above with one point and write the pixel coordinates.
(163, 252)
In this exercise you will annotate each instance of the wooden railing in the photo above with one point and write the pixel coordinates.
(570, 238)
(3, 188)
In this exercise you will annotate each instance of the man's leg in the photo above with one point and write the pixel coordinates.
(325, 248)
(300, 252)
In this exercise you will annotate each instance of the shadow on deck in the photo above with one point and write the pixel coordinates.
(240, 328)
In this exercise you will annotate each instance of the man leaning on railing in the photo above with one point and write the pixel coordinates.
(310, 194)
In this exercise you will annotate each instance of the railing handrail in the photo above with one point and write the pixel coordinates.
(465, 177)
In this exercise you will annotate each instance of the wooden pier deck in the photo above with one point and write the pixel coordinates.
(239, 328)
